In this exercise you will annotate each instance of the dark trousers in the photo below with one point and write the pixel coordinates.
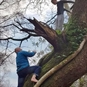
(24, 72)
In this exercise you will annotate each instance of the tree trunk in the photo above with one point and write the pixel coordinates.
(80, 12)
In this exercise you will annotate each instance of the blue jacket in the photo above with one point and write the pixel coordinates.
(22, 59)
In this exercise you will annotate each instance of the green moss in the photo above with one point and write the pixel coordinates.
(74, 34)
(58, 32)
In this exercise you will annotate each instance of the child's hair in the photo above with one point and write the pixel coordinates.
(17, 49)
(54, 1)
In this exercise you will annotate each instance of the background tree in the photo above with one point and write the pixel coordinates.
(4, 82)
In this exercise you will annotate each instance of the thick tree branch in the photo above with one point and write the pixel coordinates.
(6, 58)
(27, 30)
(34, 31)
(41, 28)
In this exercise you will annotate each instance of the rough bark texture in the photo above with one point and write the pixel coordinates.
(80, 12)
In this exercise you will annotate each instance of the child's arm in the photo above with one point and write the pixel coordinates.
(68, 2)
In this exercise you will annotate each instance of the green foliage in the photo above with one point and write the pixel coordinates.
(72, 86)
(58, 32)
(74, 33)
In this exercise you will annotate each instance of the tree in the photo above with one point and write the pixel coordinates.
(3, 71)
(71, 65)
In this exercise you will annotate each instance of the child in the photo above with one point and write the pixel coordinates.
(60, 11)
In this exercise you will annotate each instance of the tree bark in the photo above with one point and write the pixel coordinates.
(80, 12)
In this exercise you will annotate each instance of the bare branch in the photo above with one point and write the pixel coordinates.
(1, 2)
(7, 46)
(6, 58)
(25, 38)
